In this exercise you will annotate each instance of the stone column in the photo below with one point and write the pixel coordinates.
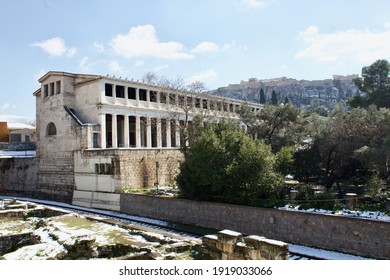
(159, 132)
(137, 131)
(168, 132)
(148, 99)
(126, 131)
(148, 133)
(102, 119)
(114, 93)
(177, 131)
(137, 96)
(351, 200)
(158, 99)
(114, 131)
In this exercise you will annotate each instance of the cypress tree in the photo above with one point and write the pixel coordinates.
(262, 96)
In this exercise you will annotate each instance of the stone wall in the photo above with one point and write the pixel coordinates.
(132, 168)
(349, 235)
(18, 175)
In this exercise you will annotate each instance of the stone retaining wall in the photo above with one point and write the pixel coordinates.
(18, 175)
(350, 235)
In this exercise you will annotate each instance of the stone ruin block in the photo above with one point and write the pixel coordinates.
(230, 245)
(266, 249)
(227, 239)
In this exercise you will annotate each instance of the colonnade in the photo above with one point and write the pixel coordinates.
(134, 131)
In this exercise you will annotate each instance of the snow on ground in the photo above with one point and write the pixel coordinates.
(379, 216)
(322, 254)
(10, 154)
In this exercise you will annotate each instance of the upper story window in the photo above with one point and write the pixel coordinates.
(120, 91)
(58, 87)
(51, 129)
(51, 89)
(108, 89)
(131, 92)
(45, 90)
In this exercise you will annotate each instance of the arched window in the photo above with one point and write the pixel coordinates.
(51, 129)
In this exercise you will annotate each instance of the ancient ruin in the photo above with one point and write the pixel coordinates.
(30, 231)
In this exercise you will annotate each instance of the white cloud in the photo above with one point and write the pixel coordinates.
(71, 52)
(252, 4)
(205, 47)
(142, 41)
(210, 47)
(387, 24)
(114, 66)
(55, 47)
(161, 67)
(202, 76)
(363, 46)
(84, 66)
(17, 121)
(99, 47)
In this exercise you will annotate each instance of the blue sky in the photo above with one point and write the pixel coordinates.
(219, 42)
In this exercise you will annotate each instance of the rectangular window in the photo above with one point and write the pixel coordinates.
(96, 140)
(103, 168)
(172, 99)
(51, 89)
(204, 105)
(27, 138)
(58, 87)
(120, 91)
(16, 138)
(131, 93)
(108, 89)
(163, 97)
(190, 102)
(45, 90)
(212, 105)
(142, 94)
(181, 100)
(197, 103)
(153, 96)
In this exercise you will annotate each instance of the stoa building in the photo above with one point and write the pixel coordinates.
(98, 135)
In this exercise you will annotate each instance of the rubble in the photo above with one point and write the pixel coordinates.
(29, 233)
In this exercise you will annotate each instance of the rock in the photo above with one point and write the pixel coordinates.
(44, 251)
(178, 247)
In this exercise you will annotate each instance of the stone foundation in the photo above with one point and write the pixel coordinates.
(231, 245)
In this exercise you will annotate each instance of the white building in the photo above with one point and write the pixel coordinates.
(97, 135)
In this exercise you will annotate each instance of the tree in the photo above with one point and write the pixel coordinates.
(286, 101)
(262, 96)
(226, 165)
(375, 83)
(274, 98)
(186, 114)
(279, 126)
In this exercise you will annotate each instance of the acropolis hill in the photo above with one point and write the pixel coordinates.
(301, 93)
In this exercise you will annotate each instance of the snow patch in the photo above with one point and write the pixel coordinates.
(372, 215)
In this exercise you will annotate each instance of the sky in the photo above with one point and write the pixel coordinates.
(218, 42)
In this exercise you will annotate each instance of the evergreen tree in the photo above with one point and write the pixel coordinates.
(262, 96)
(274, 98)
(286, 101)
(375, 82)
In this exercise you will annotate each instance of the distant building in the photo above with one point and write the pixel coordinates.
(98, 135)
(15, 134)
(25, 135)
(4, 135)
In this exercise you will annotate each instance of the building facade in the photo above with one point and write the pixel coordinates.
(98, 135)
